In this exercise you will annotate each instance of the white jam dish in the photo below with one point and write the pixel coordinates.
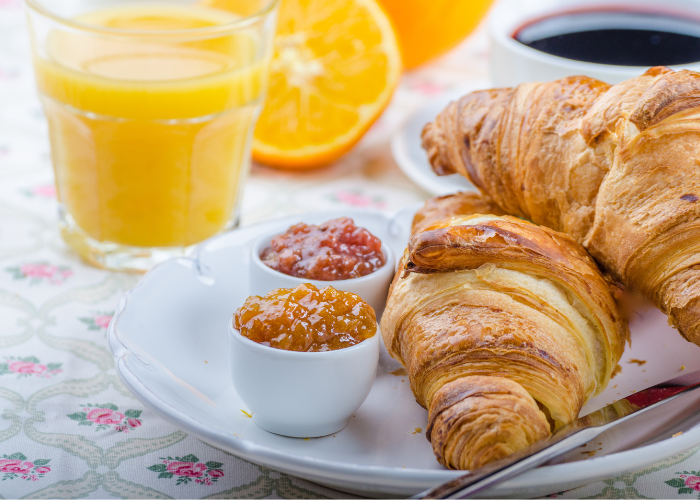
(372, 288)
(302, 394)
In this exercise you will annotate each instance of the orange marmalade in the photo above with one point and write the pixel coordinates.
(306, 319)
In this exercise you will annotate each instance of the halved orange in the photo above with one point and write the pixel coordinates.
(335, 66)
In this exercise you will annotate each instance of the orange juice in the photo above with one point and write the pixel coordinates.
(150, 132)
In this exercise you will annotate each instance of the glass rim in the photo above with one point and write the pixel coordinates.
(215, 29)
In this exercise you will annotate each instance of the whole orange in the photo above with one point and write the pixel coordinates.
(428, 28)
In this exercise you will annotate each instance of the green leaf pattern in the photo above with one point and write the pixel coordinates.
(688, 482)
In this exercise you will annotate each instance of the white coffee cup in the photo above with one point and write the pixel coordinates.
(513, 62)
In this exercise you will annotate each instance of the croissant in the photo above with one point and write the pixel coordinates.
(616, 167)
(505, 328)
(444, 207)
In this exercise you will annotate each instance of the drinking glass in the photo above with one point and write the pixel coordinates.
(151, 107)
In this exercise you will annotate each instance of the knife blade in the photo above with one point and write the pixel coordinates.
(565, 439)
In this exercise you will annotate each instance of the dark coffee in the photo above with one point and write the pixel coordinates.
(622, 38)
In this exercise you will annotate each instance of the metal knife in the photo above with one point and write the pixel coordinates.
(567, 438)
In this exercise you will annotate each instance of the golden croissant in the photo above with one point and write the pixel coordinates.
(505, 328)
(444, 207)
(616, 167)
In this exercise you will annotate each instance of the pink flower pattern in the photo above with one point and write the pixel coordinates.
(427, 88)
(46, 191)
(98, 320)
(39, 272)
(355, 198)
(8, 4)
(688, 482)
(693, 482)
(29, 366)
(16, 466)
(188, 468)
(106, 416)
(103, 321)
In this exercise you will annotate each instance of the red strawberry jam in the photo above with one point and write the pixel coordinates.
(334, 250)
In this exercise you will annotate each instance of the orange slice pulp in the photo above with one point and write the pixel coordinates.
(335, 66)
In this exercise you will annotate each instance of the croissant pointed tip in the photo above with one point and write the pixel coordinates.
(475, 420)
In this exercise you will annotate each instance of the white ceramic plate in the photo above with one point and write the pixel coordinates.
(409, 154)
(169, 342)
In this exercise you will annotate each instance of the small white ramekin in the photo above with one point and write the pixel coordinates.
(372, 288)
(302, 394)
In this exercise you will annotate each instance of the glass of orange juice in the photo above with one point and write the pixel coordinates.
(151, 107)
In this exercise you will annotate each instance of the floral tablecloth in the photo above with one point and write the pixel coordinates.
(69, 428)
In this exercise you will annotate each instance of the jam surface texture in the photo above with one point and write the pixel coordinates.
(306, 319)
(334, 250)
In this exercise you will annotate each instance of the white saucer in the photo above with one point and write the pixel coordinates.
(410, 156)
(169, 342)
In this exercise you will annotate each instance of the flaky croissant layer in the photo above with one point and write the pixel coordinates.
(505, 328)
(491, 417)
(615, 167)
